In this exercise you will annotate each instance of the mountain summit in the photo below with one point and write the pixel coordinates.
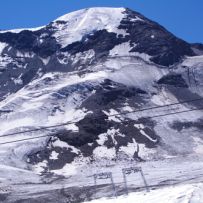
(98, 87)
(119, 24)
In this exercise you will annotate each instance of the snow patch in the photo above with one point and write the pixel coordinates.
(191, 61)
(61, 144)
(121, 50)
(111, 116)
(104, 152)
(163, 98)
(18, 81)
(24, 54)
(54, 155)
(127, 108)
(102, 138)
(67, 170)
(136, 18)
(45, 60)
(130, 149)
(2, 47)
(40, 167)
(147, 136)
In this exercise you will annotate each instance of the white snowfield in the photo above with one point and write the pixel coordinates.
(188, 193)
(87, 21)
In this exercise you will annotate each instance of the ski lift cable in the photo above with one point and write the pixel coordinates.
(112, 115)
(156, 116)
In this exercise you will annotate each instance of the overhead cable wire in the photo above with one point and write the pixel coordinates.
(161, 115)
(112, 115)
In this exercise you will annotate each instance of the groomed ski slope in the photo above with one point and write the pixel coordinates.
(191, 193)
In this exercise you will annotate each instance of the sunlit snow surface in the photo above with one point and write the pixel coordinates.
(21, 29)
(2, 46)
(86, 21)
(177, 194)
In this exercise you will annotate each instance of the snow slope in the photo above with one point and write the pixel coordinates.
(87, 21)
(178, 194)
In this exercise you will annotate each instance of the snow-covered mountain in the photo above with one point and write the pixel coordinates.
(88, 67)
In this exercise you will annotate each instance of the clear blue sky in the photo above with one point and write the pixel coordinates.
(184, 18)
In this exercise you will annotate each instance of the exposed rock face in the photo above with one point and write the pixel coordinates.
(172, 79)
(151, 38)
